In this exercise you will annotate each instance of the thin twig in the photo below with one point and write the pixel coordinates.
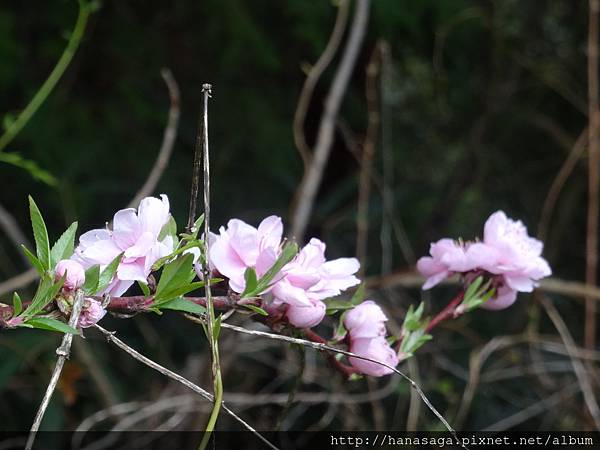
(14, 233)
(327, 348)
(563, 174)
(311, 181)
(85, 9)
(578, 366)
(110, 336)
(312, 78)
(168, 142)
(63, 353)
(591, 260)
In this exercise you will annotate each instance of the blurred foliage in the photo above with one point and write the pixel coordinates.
(479, 99)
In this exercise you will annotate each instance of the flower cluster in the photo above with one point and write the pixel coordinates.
(135, 235)
(366, 331)
(301, 286)
(507, 255)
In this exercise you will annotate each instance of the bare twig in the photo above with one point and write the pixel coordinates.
(578, 366)
(533, 410)
(312, 78)
(166, 148)
(411, 279)
(591, 260)
(311, 181)
(327, 348)
(110, 336)
(63, 353)
(563, 174)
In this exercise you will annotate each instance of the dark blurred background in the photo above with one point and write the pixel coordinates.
(480, 103)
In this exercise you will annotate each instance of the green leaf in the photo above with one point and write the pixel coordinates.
(63, 248)
(287, 254)
(168, 229)
(251, 281)
(92, 277)
(160, 262)
(108, 273)
(178, 291)
(175, 274)
(257, 309)
(17, 304)
(30, 166)
(473, 288)
(333, 306)
(181, 304)
(45, 293)
(359, 295)
(35, 262)
(144, 287)
(40, 233)
(46, 323)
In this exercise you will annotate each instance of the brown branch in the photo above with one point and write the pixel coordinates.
(446, 313)
(311, 181)
(591, 260)
(344, 369)
(312, 78)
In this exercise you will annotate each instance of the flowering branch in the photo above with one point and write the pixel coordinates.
(449, 311)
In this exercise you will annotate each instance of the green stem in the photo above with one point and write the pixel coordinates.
(85, 9)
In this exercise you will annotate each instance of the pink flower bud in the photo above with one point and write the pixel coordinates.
(306, 316)
(365, 321)
(75, 275)
(377, 349)
(91, 313)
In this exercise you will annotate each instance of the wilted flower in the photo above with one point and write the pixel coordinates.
(72, 271)
(240, 246)
(91, 313)
(510, 257)
(135, 234)
(374, 348)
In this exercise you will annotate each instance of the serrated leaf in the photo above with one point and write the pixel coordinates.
(45, 293)
(35, 262)
(175, 274)
(181, 304)
(17, 304)
(333, 306)
(108, 273)
(168, 229)
(40, 234)
(47, 323)
(63, 247)
(473, 288)
(257, 309)
(160, 262)
(92, 277)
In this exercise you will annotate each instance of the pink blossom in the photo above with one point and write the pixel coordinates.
(510, 257)
(365, 320)
(72, 271)
(377, 349)
(135, 234)
(306, 316)
(309, 276)
(91, 313)
(240, 246)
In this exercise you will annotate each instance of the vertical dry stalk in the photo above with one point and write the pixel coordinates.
(594, 178)
(63, 353)
(368, 152)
